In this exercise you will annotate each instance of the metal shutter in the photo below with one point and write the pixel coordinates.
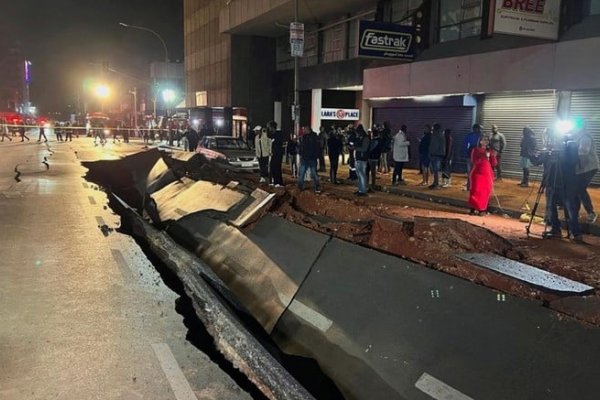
(459, 119)
(512, 111)
(586, 105)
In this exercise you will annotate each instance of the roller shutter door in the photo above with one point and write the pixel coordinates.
(512, 112)
(586, 104)
(459, 119)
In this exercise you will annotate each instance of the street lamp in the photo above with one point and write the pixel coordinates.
(141, 28)
(102, 92)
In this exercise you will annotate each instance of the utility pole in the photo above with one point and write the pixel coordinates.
(296, 75)
(135, 117)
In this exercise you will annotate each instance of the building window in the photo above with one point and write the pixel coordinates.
(594, 7)
(201, 99)
(404, 10)
(459, 19)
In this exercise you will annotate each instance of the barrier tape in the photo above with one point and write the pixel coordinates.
(85, 128)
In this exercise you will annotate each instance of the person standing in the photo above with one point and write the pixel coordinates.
(400, 147)
(262, 147)
(362, 144)
(68, 132)
(4, 130)
(351, 140)
(386, 148)
(528, 149)
(375, 151)
(483, 161)
(447, 161)
(587, 166)
(277, 151)
(42, 134)
(292, 153)
(59, 133)
(424, 160)
(471, 141)
(437, 153)
(309, 150)
(192, 138)
(323, 146)
(334, 149)
(498, 143)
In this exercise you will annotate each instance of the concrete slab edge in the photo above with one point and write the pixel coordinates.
(237, 344)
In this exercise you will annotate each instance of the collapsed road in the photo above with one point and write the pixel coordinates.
(379, 301)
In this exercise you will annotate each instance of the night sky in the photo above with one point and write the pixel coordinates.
(62, 38)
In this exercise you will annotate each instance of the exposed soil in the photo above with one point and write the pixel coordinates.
(421, 232)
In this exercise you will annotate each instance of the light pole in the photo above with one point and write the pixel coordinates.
(135, 117)
(141, 28)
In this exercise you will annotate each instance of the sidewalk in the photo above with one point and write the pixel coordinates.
(508, 197)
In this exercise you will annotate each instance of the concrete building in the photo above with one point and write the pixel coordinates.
(512, 63)
(13, 88)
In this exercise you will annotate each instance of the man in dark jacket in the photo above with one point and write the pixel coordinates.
(277, 152)
(309, 150)
(437, 152)
(375, 151)
(334, 149)
(528, 150)
(192, 138)
(362, 144)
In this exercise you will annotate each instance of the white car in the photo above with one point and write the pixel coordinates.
(234, 151)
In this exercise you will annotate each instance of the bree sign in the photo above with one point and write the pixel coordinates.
(383, 40)
(340, 114)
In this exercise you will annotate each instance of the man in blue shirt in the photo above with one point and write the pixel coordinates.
(471, 141)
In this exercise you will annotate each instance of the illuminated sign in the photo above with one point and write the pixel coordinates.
(384, 40)
(534, 18)
(27, 72)
(340, 114)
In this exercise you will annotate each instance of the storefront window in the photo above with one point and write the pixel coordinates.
(459, 19)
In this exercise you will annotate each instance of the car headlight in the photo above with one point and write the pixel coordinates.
(232, 159)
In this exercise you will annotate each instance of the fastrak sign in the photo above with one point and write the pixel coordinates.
(534, 18)
(383, 40)
(340, 114)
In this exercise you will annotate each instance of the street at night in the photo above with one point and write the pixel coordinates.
(298, 199)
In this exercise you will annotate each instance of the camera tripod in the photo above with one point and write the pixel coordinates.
(551, 176)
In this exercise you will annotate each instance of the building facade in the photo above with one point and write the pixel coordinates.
(13, 86)
(507, 62)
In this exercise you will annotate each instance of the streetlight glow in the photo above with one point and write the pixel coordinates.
(102, 91)
(168, 95)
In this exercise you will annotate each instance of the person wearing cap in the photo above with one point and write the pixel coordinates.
(262, 147)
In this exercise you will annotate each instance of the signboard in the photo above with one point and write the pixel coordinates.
(340, 114)
(534, 18)
(384, 40)
(297, 39)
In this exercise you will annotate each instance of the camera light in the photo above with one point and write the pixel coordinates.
(564, 126)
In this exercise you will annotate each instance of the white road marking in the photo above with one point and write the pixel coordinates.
(311, 316)
(179, 384)
(438, 389)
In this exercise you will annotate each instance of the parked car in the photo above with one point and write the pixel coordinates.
(234, 151)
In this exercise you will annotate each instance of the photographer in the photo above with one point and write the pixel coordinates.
(559, 182)
(587, 167)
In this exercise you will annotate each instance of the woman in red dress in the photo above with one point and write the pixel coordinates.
(482, 176)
